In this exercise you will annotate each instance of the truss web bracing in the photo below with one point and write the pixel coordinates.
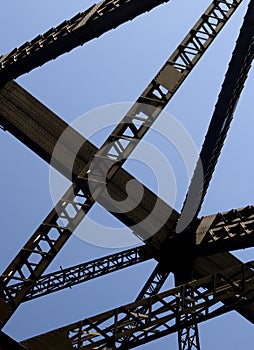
(209, 281)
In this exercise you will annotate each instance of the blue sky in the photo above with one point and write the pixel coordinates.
(116, 68)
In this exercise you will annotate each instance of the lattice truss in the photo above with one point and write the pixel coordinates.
(209, 280)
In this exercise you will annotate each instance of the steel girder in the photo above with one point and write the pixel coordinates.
(188, 336)
(231, 90)
(154, 282)
(71, 276)
(85, 26)
(233, 84)
(92, 23)
(232, 87)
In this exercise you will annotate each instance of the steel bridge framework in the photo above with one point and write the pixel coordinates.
(216, 282)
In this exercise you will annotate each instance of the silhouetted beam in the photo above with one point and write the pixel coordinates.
(233, 286)
(154, 283)
(226, 231)
(7, 343)
(233, 84)
(85, 26)
(68, 277)
(188, 334)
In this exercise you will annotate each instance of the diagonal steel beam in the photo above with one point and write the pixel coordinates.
(71, 276)
(85, 26)
(230, 93)
(231, 89)
(154, 283)
(152, 287)
(233, 84)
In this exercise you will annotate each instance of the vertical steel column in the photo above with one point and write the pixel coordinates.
(188, 336)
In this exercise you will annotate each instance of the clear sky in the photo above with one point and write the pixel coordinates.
(116, 68)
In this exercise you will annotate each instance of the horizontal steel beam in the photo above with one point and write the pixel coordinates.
(159, 314)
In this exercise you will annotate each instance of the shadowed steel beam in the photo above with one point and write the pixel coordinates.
(85, 26)
(68, 277)
(233, 84)
(232, 286)
(58, 226)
